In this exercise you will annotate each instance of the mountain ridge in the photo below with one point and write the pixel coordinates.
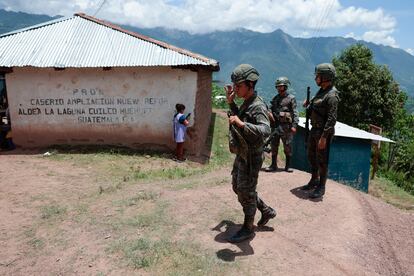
(274, 54)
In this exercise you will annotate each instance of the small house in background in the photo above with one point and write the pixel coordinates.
(82, 81)
(349, 158)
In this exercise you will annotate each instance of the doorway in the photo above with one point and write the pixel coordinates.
(6, 142)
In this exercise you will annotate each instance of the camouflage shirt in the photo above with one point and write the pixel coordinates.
(324, 108)
(283, 107)
(253, 112)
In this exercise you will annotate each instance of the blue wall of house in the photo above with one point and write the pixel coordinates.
(349, 159)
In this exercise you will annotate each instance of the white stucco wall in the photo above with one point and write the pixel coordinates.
(125, 106)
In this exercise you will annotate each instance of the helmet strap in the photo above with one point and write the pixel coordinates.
(325, 83)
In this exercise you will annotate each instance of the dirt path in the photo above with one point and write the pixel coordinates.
(347, 233)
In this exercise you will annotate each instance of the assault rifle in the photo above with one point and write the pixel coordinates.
(308, 111)
(237, 143)
(269, 139)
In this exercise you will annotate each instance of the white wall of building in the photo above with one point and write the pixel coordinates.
(124, 106)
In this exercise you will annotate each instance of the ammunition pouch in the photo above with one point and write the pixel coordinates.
(237, 143)
(285, 117)
(317, 125)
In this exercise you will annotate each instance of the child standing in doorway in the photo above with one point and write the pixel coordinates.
(180, 129)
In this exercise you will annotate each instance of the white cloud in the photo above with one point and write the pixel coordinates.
(303, 17)
(351, 35)
(52, 8)
(410, 51)
(380, 37)
(304, 34)
(375, 19)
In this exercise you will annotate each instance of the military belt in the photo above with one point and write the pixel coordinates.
(317, 125)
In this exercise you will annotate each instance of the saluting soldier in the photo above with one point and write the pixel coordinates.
(284, 120)
(252, 124)
(323, 114)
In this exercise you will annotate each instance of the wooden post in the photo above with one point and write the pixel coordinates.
(376, 145)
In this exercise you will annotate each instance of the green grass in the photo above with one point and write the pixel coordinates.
(81, 209)
(111, 188)
(40, 197)
(220, 153)
(143, 232)
(136, 199)
(169, 173)
(400, 179)
(156, 250)
(120, 165)
(51, 174)
(36, 243)
(80, 212)
(52, 211)
(228, 214)
(152, 219)
(164, 257)
(389, 192)
(197, 183)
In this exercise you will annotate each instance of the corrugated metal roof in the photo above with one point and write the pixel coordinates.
(344, 130)
(84, 41)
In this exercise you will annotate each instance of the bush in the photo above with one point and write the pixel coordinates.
(399, 178)
(219, 97)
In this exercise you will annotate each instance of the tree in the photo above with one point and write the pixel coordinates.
(404, 135)
(410, 105)
(369, 94)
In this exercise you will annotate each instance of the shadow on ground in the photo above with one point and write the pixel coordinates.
(304, 195)
(230, 228)
(227, 254)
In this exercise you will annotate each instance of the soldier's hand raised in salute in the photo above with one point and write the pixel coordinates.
(230, 94)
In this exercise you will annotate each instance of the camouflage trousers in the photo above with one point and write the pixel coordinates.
(244, 181)
(318, 159)
(286, 135)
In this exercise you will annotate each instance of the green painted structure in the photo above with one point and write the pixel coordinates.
(349, 158)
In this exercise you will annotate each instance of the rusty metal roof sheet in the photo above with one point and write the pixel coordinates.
(83, 41)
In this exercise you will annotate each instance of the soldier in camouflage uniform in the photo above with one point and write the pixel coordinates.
(284, 117)
(252, 122)
(323, 113)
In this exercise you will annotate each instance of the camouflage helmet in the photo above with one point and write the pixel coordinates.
(244, 72)
(326, 71)
(282, 81)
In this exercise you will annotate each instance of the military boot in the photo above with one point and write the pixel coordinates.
(313, 182)
(273, 165)
(267, 214)
(287, 165)
(246, 232)
(320, 189)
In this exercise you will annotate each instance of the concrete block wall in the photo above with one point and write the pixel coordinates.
(134, 106)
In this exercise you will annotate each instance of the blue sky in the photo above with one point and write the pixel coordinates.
(380, 21)
(402, 11)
